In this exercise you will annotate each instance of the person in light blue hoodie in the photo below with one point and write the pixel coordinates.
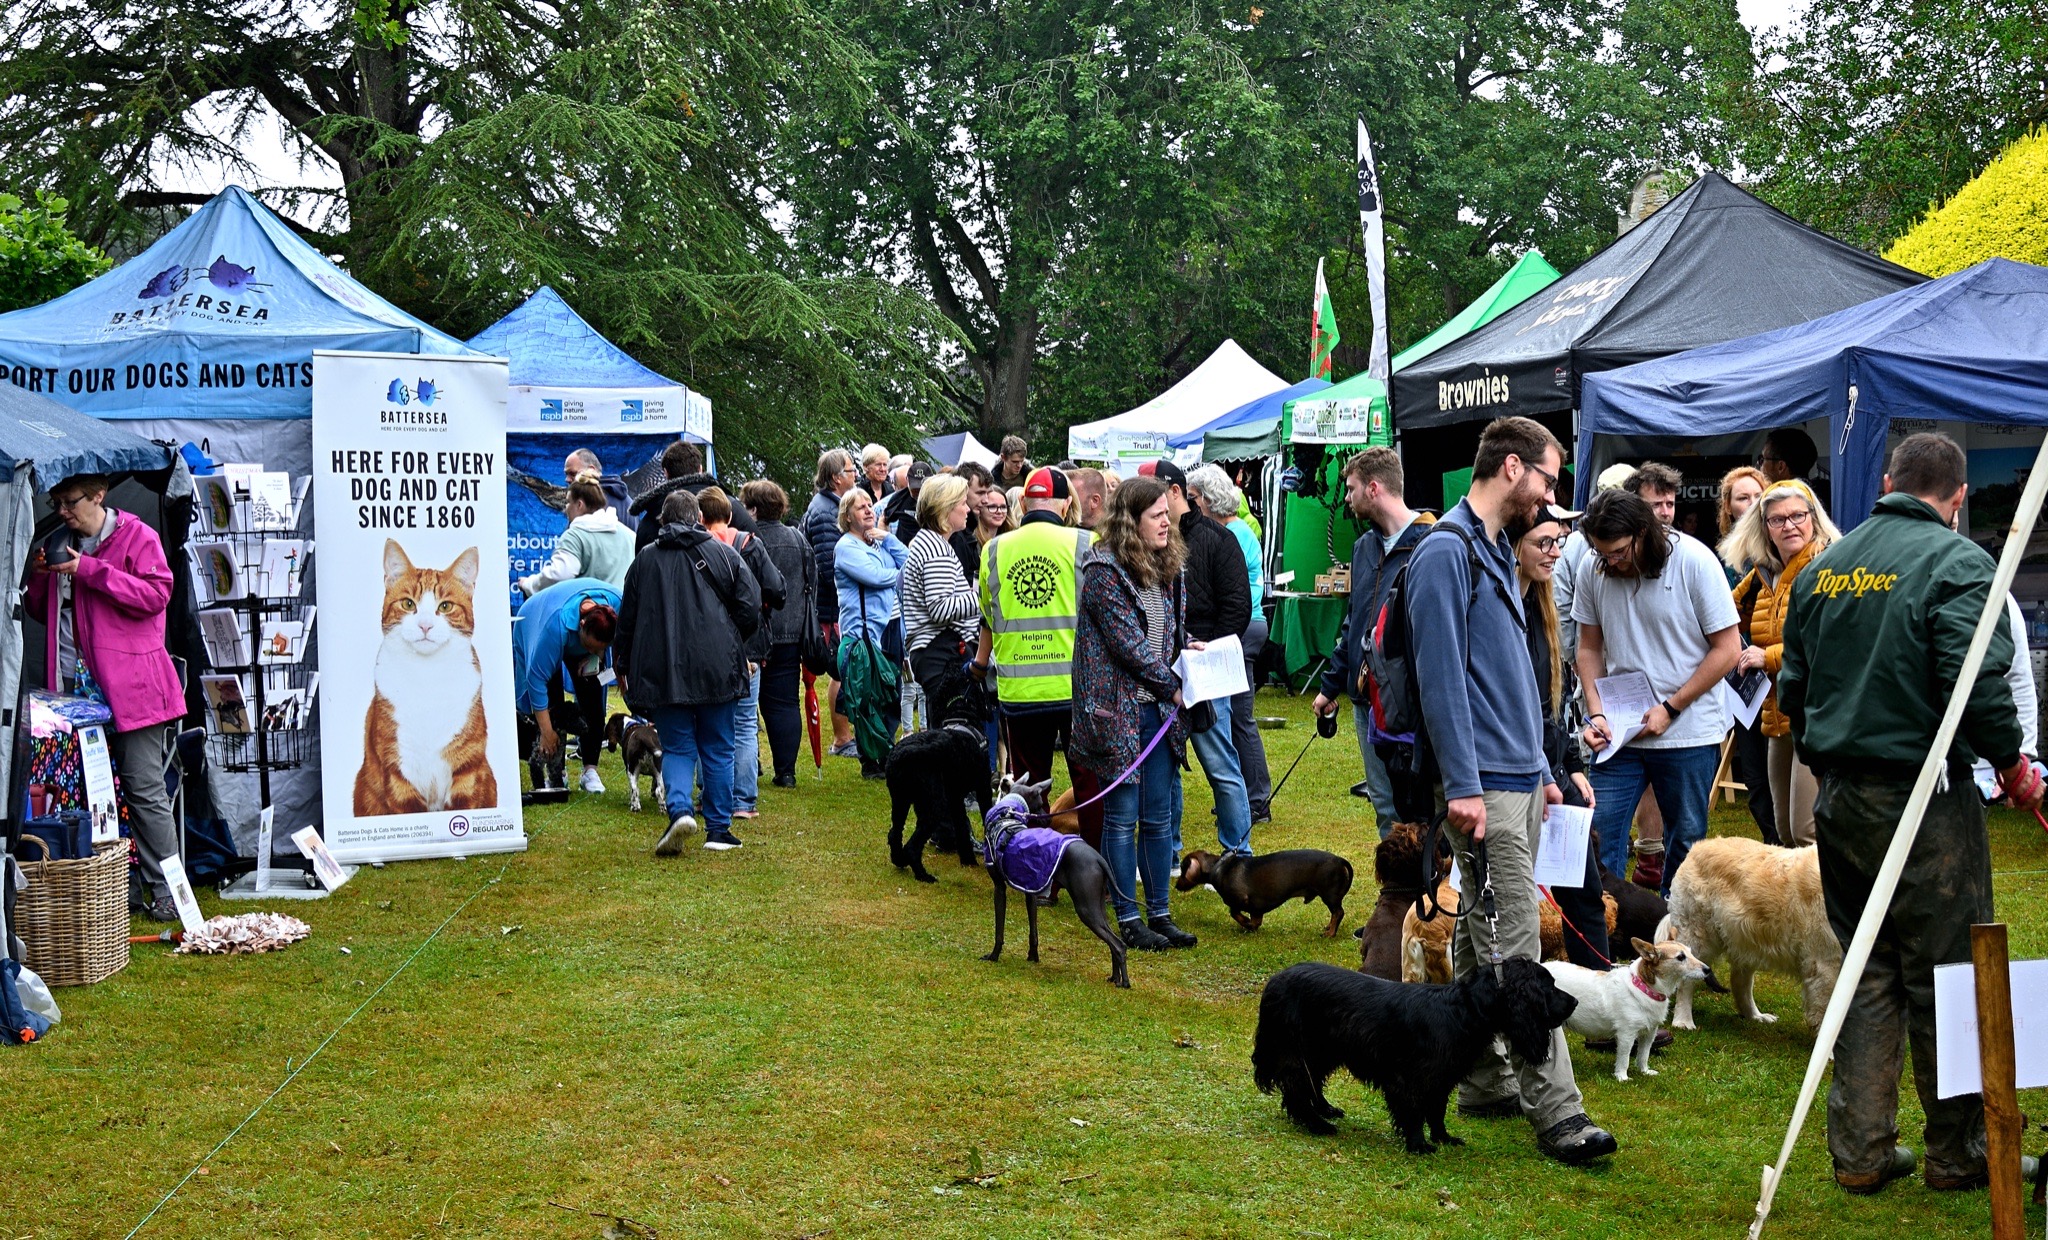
(866, 564)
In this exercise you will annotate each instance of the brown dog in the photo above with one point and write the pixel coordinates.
(1251, 887)
(1426, 945)
(1397, 864)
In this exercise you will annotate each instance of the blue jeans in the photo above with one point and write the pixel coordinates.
(746, 746)
(1140, 827)
(1226, 782)
(690, 734)
(1684, 780)
(1379, 786)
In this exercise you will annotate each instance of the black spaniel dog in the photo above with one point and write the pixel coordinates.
(935, 772)
(1414, 1043)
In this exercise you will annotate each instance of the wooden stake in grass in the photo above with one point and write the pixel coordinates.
(2002, 1123)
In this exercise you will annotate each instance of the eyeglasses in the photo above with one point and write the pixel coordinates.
(1620, 555)
(1786, 521)
(1548, 543)
(66, 504)
(1548, 477)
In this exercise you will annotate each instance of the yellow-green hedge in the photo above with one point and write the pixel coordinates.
(2001, 214)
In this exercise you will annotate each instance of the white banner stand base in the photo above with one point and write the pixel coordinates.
(286, 884)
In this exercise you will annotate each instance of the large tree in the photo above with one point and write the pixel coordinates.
(1097, 193)
(1876, 111)
(617, 149)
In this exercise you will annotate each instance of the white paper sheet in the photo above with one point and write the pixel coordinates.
(1561, 853)
(1624, 698)
(99, 784)
(1215, 671)
(189, 915)
(1743, 693)
(1958, 1068)
(263, 836)
(325, 867)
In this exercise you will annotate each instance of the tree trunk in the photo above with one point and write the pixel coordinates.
(1005, 401)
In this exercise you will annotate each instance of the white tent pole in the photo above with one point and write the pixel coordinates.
(1858, 955)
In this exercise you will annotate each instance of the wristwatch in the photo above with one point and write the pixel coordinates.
(1669, 709)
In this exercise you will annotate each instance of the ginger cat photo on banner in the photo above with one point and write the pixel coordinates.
(424, 738)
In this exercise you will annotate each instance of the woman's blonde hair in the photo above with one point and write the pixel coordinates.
(1149, 566)
(872, 453)
(1726, 510)
(937, 497)
(846, 506)
(1749, 544)
(983, 536)
(1546, 607)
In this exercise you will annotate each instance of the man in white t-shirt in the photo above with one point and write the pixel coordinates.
(1654, 601)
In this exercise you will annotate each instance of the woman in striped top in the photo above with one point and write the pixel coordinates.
(940, 610)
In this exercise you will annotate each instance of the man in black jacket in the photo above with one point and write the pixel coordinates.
(689, 606)
(1219, 605)
(684, 464)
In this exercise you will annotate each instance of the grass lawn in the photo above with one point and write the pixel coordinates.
(796, 1040)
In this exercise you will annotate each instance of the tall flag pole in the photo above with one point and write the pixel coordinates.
(1322, 329)
(1380, 432)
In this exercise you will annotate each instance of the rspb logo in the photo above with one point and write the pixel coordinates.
(632, 411)
(399, 394)
(551, 411)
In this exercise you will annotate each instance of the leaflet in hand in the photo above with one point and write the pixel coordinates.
(1215, 671)
(1561, 854)
(1625, 698)
(1744, 694)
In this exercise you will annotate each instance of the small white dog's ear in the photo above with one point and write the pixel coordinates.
(1642, 948)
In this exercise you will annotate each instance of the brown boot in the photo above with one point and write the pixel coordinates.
(1650, 865)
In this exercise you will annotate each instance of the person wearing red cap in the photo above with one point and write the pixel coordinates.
(1219, 605)
(1030, 585)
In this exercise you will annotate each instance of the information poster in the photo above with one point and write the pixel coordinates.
(418, 744)
(99, 784)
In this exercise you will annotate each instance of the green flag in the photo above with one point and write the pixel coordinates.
(1322, 329)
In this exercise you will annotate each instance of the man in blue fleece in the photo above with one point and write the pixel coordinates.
(1484, 727)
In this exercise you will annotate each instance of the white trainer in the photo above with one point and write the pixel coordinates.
(672, 839)
(591, 783)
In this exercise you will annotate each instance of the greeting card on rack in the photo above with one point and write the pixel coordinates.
(270, 500)
(284, 641)
(214, 499)
(216, 571)
(283, 567)
(226, 644)
(226, 703)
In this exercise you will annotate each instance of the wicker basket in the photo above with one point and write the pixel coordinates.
(74, 915)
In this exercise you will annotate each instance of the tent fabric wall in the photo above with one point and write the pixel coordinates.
(1225, 380)
(1713, 264)
(218, 319)
(955, 449)
(566, 378)
(1971, 347)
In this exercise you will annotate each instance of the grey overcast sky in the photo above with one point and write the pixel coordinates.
(278, 165)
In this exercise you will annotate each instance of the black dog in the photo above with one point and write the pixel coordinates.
(934, 772)
(640, 743)
(1414, 1042)
(1635, 907)
(1081, 870)
(1252, 887)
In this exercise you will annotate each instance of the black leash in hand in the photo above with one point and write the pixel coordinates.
(1326, 725)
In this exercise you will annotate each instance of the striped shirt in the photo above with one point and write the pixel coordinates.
(1152, 601)
(934, 594)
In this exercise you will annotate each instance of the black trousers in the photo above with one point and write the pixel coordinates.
(1752, 767)
(782, 708)
(584, 721)
(931, 665)
(1583, 906)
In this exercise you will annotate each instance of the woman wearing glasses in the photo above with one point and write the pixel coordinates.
(1537, 550)
(1778, 536)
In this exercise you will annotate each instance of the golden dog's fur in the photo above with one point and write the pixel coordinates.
(1759, 908)
(1426, 945)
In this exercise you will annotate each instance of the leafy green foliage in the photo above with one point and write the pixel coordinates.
(2003, 213)
(1872, 113)
(39, 257)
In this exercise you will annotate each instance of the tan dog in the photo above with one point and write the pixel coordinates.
(1064, 818)
(1426, 945)
(1758, 907)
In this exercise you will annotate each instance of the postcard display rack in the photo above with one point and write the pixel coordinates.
(249, 564)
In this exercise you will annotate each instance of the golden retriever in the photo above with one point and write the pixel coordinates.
(1758, 907)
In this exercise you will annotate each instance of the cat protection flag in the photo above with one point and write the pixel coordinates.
(418, 741)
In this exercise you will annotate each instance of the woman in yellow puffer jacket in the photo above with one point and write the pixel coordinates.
(1778, 536)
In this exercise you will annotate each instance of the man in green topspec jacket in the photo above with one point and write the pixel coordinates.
(1874, 643)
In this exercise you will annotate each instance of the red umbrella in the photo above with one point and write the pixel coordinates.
(811, 720)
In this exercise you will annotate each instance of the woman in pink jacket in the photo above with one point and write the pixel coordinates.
(104, 605)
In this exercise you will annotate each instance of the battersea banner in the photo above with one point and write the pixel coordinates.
(418, 749)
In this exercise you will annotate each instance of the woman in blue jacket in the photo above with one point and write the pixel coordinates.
(866, 563)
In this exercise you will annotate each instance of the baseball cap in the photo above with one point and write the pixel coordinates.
(920, 472)
(1167, 472)
(1046, 482)
(1558, 512)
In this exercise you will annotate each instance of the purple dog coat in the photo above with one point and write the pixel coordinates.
(1024, 856)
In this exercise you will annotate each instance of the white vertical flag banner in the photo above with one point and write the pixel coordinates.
(418, 748)
(1369, 218)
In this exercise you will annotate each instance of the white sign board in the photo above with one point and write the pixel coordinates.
(582, 411)
(418, 741)
(186, 903)
(99, 784)
(1959, 1068)
(265, 824)
(325, 867)
(1334, 421)
(1124, 451)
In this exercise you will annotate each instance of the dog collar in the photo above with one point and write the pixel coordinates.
(1636, 979)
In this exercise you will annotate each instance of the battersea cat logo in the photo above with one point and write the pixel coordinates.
(399, 394)
(180, 290)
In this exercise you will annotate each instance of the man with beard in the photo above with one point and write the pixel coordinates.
(1652, 600)
(1484, 726)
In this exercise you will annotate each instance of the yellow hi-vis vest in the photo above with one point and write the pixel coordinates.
(1031, 603)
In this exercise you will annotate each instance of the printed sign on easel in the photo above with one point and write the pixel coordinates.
(99, 784)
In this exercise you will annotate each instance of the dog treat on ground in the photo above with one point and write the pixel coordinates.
(244, 934)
